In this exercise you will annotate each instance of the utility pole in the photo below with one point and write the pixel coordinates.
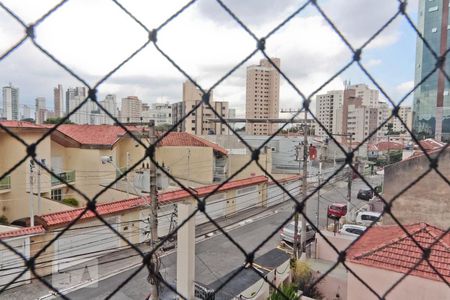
(304, 183)
(319, 179)
(126, 177)
(296, 241)
(350, 176)
(31, 193)
(154, 215)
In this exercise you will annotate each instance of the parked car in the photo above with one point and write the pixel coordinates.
(336, 210)
(287, 232)
(365, 195)
(352, 230)
(368, 217)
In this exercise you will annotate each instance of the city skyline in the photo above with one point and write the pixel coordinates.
(307, 72)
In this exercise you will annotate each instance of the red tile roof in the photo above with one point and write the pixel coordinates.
(105, 135)
(21, 124)
(385, 146)
(430, 144)
(388, 247)
(187, 139)
(21, 232)
(65, 217)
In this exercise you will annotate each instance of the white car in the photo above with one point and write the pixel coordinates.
(287, 232)
(352, 230)
(366, 218)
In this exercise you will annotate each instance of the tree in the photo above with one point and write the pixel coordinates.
(57, 120)
(31, 120)
(304, 280)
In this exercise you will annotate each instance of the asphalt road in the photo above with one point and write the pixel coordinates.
(217, 255)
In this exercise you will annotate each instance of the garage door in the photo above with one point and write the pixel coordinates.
(274, 195)
(247, 198)
(215, 207)
(79, 245)
(11, 264)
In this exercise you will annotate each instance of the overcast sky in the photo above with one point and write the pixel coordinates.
(93, 37)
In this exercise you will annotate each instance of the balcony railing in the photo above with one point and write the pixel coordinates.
(120, 171)
(5, 183)
(68, 176)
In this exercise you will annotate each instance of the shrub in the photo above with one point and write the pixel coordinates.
(285, 291)
(70, 201)
(303, 279)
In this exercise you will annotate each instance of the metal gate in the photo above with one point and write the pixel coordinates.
(247, 198)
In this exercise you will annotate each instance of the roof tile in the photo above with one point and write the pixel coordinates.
(22, 231)
(389, 247)
(187, 139)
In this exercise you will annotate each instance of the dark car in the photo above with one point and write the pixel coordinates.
(365, 195)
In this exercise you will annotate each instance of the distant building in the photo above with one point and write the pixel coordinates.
(198, 122)
(431, 109)
(161, 113)
(58, 99)
(41, 110)
(131, 109)
(109, 104)
(10, 102)
(405, 113)
(74, 97)
(26, 112)
(232, 113)
(262, 96)
(327, 106)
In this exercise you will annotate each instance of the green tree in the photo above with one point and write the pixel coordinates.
(304, 280)
(163, 127)
(57, 120)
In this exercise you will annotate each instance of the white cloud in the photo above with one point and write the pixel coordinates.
(373, 63)
(93, 37)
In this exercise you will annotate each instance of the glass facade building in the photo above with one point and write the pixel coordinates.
(431, 107)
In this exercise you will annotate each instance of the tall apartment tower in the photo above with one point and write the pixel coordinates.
(10, 102)
(58, 98)
(431, 105)
(131, 109)
(74, 97)
(327, 106)
(262, 96)
(198, 122)
(110, 104)
(41, 110)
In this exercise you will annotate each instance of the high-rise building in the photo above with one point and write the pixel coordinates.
(262, 96)
(131, 109)
(431, 109)
(405, 113)
(232, 113)
(198, 122)
(58, 101)
(161, 113)
(361, 113)
(74, 97)
(327, 106)
(40, 110)
(11, 102)
(26, 112)
(109, 104)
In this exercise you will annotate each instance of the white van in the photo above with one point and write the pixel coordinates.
(366, 218)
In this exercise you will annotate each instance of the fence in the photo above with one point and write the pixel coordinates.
(248, 257)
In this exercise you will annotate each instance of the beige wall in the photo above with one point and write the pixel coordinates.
(324, 250)
(191, 163)
(380, 280)
(427, 201)
(236, 161)
(15, 203)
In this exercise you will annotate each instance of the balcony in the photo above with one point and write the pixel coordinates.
(5, 184)
(68, 176)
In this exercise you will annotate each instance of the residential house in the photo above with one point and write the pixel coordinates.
(385, 254)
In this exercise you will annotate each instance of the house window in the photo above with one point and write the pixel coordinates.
(57, 194)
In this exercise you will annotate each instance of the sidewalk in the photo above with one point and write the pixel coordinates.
(115, 262)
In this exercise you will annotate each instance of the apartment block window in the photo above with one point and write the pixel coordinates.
(434, 29)
(57, 194)
(433, 8)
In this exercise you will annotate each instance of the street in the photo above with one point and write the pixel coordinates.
(217, 256)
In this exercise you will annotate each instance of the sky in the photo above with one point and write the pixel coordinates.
(93, 37)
